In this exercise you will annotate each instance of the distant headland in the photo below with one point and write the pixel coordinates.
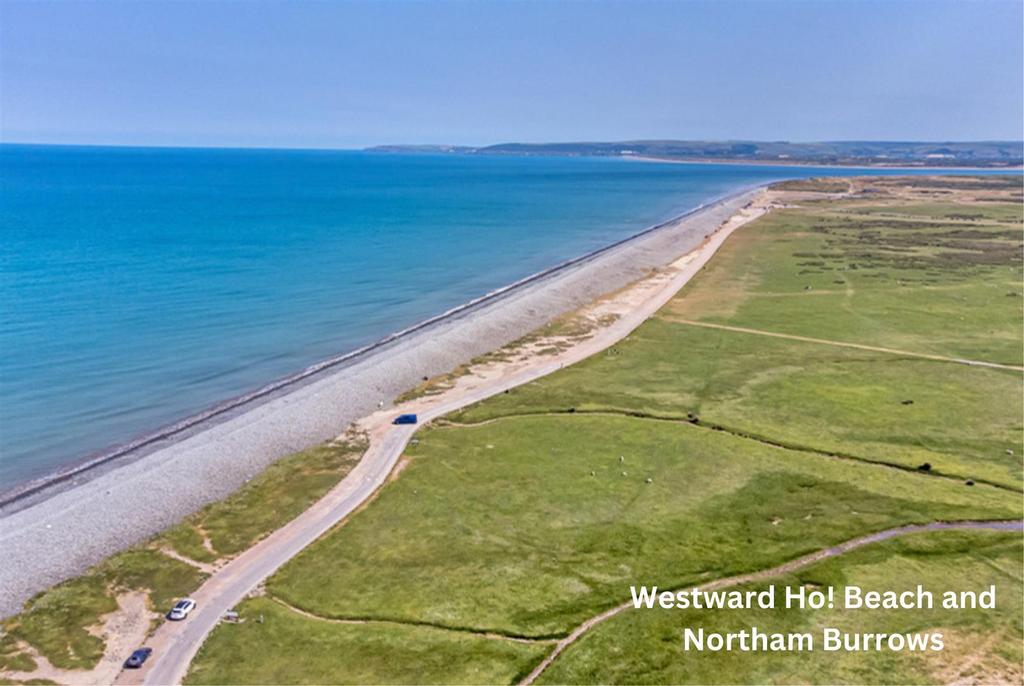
(840, 153)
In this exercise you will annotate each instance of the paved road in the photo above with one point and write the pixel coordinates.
(175, 644)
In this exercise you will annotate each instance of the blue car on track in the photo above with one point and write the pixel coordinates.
(138, 657)
(405, 419)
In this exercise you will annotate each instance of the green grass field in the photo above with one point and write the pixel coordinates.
(502, 528)
(685, 454)
(962, 420)
(981, 646)
(312, 651)
(879, 406)
(932, 287)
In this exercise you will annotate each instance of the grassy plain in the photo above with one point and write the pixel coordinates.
(928, 285)
(502, 527)
(826, 272)
(981, 646)
(961, 420)
(686, 453)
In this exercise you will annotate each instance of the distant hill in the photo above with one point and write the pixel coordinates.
(908, 153)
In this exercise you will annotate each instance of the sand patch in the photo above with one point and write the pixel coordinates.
(400, 467)
(123, 631)
(970, 659)
(207, 567)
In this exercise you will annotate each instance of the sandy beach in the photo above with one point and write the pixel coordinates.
(125, 500)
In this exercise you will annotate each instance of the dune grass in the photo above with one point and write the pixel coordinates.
(57, 622)
(981, 646)
(998, 212)
(12, 658)
(267, 502)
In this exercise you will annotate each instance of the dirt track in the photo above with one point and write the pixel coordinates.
(842, 344)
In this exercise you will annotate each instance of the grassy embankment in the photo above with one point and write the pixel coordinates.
(687, 453)
(57, 623)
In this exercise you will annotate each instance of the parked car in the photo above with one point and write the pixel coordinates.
(181, 609)
(405, 419)
(138, 657)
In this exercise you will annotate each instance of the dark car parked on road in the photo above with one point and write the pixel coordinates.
(405, 419)
(138, 657)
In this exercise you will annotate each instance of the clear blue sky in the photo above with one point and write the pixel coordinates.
(332, 74)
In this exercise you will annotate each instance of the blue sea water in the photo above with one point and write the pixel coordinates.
(140, 285)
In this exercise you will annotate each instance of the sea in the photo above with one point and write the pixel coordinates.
(139, 286)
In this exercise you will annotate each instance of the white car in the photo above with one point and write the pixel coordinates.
(181, 609)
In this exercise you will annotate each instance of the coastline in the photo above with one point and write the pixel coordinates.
(13, 498)
(621, 313)
(818, 165)
(122, 497)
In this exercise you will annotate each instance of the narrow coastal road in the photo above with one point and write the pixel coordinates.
(785, 568)
(175, 644)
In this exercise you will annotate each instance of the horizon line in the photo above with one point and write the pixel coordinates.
(216, 146)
